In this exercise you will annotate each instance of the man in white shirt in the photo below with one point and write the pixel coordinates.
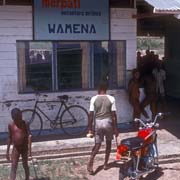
(103, 110)
(160, 76)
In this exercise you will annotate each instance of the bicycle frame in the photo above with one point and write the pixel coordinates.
(36, 107)
(63, 117)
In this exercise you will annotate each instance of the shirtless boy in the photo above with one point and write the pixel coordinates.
(19, 136)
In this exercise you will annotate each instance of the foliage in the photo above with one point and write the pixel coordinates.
(151, 43)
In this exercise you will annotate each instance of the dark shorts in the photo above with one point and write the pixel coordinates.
(103, 128)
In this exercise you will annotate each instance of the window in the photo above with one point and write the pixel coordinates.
(69, 65)
(39, 66)
(36, 66)
(57, 66)
(101, 70)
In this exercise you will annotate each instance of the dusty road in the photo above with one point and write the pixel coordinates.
(169, 169)
(75, 169)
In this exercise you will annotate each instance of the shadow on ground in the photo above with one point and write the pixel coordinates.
(154, 175)
(42, 178)
(111, 165)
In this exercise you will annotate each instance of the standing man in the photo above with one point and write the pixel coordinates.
(19, 136)
(103, 109)
(160, 76)
(134, 95)
(151, 95)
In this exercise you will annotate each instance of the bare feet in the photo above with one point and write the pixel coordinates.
(105, 167)
(90, 169)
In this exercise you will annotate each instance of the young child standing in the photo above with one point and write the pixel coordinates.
(20, 137)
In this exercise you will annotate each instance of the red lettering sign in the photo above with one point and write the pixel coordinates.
(62, 4)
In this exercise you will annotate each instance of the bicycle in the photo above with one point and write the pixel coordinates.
(72, 119)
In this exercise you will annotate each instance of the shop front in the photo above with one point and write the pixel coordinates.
(65, 47)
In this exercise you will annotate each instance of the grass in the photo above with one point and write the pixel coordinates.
(69, 169)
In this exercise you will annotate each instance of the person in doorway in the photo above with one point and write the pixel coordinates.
(19, 136)
(134, 95)
(139, 60)
(150, 94)
(103, 111)
(160, 76)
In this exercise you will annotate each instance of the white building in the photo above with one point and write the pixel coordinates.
(28, 64)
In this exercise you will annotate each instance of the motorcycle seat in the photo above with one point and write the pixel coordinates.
(133, 143)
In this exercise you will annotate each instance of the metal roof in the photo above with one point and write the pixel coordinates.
(165, 6)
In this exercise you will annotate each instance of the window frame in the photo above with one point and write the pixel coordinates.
(91, 83)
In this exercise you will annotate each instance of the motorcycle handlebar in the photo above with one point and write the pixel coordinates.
(160, 115)
(155, 119)
(136, 120)
(165, 113)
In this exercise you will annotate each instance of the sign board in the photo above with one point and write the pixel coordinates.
(71, 19)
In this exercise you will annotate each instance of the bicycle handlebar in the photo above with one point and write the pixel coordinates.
(61, 98)
(40, 94)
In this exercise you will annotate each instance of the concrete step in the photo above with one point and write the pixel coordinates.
(163, 159)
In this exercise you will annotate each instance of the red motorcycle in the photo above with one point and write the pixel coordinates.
(138, 155)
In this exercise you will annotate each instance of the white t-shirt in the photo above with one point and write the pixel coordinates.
(102, 105)
(160, 77)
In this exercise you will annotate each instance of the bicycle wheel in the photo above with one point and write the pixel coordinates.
(74, 120)
(34, 120)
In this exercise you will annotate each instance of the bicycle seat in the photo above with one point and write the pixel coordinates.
(63, 98)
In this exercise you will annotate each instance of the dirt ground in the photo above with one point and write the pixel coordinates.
(69, 169)
(75, 169)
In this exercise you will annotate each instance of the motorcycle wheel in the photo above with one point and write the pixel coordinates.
(123, 171)
(122, 175)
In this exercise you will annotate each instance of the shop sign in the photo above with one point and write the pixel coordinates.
(71, 19)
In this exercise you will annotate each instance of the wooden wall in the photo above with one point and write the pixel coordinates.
(16, 24)
(123, 27)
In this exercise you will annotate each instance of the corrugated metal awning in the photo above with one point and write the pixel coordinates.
(165, 6)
